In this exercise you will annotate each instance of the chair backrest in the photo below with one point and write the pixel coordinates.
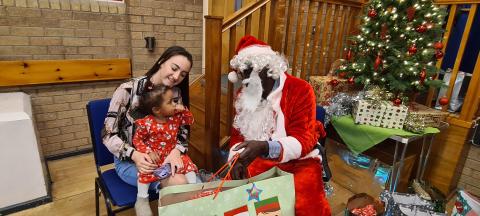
(97, 111)
(320, 114)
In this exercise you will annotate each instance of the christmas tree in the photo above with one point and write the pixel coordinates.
(396, 49)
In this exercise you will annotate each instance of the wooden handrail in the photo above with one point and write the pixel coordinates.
(241, 14)
(455, 2)
(351, 3)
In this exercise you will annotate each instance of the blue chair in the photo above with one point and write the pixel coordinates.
(115, 191)
(327, 174)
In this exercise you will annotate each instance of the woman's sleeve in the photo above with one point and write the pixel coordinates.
(118, 145)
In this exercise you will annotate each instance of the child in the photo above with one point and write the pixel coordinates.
(156, 135)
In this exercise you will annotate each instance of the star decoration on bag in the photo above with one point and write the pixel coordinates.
(254, 193)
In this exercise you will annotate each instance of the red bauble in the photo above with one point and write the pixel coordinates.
(412, 49)
(349, 55)
(378, 61)
(421, 28)
(351, 80)
(410, 13)
(438, 54)
(438, 45)
(443, 101)
(342, 74)
(397, 102)
(334, 82)
(372, 13)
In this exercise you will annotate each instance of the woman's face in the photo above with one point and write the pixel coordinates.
(173, 71)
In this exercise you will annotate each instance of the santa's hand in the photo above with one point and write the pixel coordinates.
(239, 171)
(251, 150)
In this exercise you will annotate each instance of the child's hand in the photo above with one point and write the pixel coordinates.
(175, 160)
(179, 108)
(155, 157)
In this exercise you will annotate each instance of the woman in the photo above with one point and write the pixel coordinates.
(171, 69)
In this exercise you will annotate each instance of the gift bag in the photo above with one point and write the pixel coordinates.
(270, 192)
(466, 205)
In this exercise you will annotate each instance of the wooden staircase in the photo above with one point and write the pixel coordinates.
(282, 24)
(197, 133)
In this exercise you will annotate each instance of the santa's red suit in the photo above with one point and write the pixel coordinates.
(296, 129)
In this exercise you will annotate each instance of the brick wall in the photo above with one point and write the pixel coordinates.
(177, 22)
(83, 29)
(470, 178)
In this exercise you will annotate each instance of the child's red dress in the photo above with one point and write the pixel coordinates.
(151, 135)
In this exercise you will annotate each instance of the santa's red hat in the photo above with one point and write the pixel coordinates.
(255, 53)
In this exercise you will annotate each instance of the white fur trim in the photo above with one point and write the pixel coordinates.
(256, 50)
(292, 148)
(233, 77)
(313, 154)
(259, 57)
(275, 97)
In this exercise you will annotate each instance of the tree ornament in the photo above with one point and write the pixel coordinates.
(397, 102)
(342, 74)
(443, 101)
(438, 54)
(383, 32)
(334, 82)
(372, 13)
(349, 54)
(412, 49)
(423, 75)
(351, 80)
(438, 45)
(421, 28)
(378, 61)
(410, 13)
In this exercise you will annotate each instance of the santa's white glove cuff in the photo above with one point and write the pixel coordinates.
(232, 152)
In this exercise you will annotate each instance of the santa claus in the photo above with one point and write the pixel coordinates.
(275, 124)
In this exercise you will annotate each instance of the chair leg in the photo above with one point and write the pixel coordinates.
(97, 195)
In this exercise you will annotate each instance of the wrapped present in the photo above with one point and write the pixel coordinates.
(429, 117)
(379, 113)
(407, 204)
(369, 112)
(394, 116)
(326, 87)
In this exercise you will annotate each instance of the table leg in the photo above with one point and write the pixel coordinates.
(421, 160)
(393, 174)
(428, 155)
(399, 170)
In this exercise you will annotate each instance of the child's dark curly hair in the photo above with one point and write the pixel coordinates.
(153, 96)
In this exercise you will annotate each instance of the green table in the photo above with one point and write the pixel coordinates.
(360, 138)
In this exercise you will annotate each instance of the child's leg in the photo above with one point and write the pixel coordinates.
(191, 177)
(178, 179)
(142, 206)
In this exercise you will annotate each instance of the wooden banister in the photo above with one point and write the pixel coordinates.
(213, 46)
(241, 14)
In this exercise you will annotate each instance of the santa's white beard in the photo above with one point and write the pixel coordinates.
(255, 117)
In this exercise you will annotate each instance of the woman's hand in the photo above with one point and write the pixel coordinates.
(175, 160)
(143, 162)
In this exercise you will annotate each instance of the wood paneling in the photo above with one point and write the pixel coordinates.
(31, 72)
(447, 158)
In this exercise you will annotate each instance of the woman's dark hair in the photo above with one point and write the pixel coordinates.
(167, 54)
(152, 97)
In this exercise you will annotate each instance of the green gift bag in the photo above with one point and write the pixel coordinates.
(270, 193)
